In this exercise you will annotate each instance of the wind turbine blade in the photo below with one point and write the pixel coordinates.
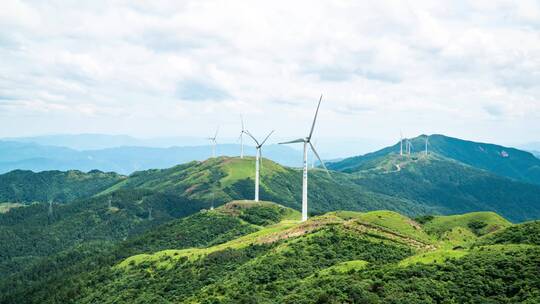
(217, 130)
(242, 120)
(293, 141)
(267, 137)
(252, 137)
(322, 163)
(315, 118)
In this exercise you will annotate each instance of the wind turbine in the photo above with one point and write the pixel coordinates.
(409, 147)
(214, 142)
(307, 141)
(258, 160)
(242, 137)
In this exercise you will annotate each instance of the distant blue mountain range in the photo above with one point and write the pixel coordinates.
(124, 160)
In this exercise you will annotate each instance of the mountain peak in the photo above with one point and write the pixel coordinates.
(504, 161)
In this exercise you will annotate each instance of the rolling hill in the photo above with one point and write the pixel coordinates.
(449, 186)
(503, 161)
(261, 254)
(27, 186)
(225, 178)
(411, 185)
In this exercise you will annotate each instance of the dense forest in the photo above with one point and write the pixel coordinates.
(260, 253)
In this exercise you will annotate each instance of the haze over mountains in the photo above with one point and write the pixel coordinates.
(124, 160)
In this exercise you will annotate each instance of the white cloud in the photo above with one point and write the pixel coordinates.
(121, 66)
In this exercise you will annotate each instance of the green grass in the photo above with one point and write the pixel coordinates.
(433, 257)
(162, 257)
(504, 247)
(5, 207)
(395, 222)
(237, 169)
(457, 236)
(441, 224)
(239, 206)
(344, 267)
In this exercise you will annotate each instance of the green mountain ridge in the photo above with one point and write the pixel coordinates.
(261, 253)
(225, 179)
(448, 186)
(500, 160)
(58, 186)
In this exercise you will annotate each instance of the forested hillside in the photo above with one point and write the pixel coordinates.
(449, 186)
(58, 186)
(260, 253)
(35, 231)
(503, 161)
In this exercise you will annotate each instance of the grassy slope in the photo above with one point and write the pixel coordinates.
(385, 225)
(442, 224)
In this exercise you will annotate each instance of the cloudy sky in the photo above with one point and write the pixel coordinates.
(167, 68)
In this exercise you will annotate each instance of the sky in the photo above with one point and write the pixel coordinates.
(469, 69)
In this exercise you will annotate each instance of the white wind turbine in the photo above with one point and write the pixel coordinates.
(409, 147)
(214, 142)
(242, 137)
(258, 160)
(307, 141)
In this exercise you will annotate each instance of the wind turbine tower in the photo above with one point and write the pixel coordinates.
(258, 146)
(214, 142)
(307, 141)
